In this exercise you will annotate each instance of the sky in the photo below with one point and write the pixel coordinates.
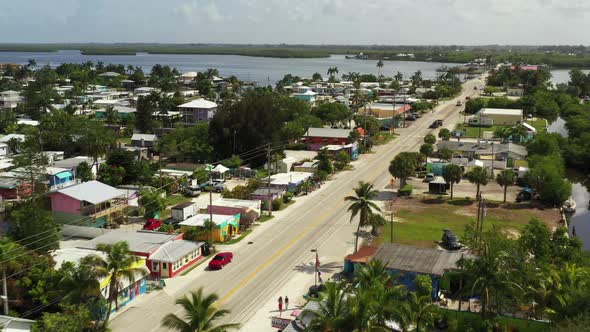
(362, 22)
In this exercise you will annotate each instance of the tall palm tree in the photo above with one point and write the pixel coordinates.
(479, 176)
(379, 66)
(118, 263)
(333, 314)
(111, 115)
(199, 314)
(418, 311)
(362, 206)
(375, 272)
(505, 178)
(518, 132)
(80, 283)
(398, 76)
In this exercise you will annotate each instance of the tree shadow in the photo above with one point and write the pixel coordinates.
(309, 267)
(385, 196)
(433, 201)
(461, 202)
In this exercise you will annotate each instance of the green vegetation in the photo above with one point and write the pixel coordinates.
(176, 199)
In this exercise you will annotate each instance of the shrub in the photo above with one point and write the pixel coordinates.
(406, 190)
(277, 204)
(287, 198)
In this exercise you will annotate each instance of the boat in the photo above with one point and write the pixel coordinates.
(569, 205)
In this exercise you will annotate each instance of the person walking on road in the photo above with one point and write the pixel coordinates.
(280, 305)
(286, 302)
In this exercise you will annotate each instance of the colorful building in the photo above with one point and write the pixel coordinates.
(249, 210)
(174, 257)
(225, 226)
(316, 138)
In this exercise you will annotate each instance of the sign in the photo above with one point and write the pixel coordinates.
(280, 323)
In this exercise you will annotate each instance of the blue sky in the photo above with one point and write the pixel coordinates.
(301, 21)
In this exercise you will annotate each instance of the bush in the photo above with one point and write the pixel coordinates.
(277, 204)
(287, 198)
(406, 190)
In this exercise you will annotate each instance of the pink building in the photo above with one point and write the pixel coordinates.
(249, 210)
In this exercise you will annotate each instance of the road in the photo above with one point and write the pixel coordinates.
(266, 260)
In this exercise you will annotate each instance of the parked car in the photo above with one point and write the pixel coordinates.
(220, 260)
(172, 222)
(429, 177)
(216, 186)
(417, 114)
(410, 117)
(467, 98)
(449, 240)
(152, 224)
(193, 191)
(459, 103)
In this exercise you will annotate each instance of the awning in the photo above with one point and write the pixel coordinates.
(63, 175)
(220, 169)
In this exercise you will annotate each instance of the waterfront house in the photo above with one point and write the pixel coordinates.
(198, 110)
(225, 226)
(316, 138)
(94, 202)
(187, 78)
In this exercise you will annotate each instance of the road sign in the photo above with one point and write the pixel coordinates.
(280, 323)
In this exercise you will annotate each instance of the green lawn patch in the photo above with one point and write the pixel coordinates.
(240, 238)
(539, 124)
(172, 200)
(265, 218)
(421, 223)
(473, 322)
(125, 140)
(473, 132)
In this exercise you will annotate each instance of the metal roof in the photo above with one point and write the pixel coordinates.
(93, 192)
(172, 251)
(199, 103)
(414, 259)
(501, 111)
(199, 219)
(75, 162)
(139, 241)
(145, 137)
(328, 132)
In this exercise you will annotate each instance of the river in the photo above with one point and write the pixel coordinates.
(581, 219)
(262, 70)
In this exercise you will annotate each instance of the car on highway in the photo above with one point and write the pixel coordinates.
(436, 124)
(449, 240)
(152, 224)
(459, 103)
(220, 260)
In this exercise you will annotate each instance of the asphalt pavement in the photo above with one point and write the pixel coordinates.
(265, 261)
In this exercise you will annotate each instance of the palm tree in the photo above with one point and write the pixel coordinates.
(375, 272)
(416, 78)
(199, 314)
(452, 174)
(80, 283)
(362, 206)
(479, 176)
(398, 76)
(418, 311)
(118, 263)
(111, 115)
(518, 132)
(379, 66)
(376, 220)
(209, 227)
(505, 178)
(333, 314)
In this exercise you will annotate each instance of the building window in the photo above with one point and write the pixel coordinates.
(155, 266)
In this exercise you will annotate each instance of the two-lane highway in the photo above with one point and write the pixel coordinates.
(319, 220)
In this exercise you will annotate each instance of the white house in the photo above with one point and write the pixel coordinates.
(198, 110)
(501, 116)
(10, 99)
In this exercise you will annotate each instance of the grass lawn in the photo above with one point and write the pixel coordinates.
(125, 140)
(384, 137)
(539, 124)
(240, 238)
(420, 223)
(265, 218)
(176, 199)
(473, 132)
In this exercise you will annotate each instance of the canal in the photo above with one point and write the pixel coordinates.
(580, 220)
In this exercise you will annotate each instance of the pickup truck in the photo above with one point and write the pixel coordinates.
(152, 224)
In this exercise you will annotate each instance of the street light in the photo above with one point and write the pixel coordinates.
(317, 268)
(493, 157)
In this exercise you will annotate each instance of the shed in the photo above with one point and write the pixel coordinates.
(174, 257)
(438, 186)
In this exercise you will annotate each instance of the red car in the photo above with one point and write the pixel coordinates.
(220, 260)
(152, 224)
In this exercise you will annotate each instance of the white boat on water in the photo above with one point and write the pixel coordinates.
(569, 205)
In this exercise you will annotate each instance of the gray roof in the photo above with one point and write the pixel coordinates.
(9, 183)
(110, 74)
(145, 137)
(93, 192)
(483, 147)
(183, 205)
(420, 260)
(74, 162)
(264, 191)
(328, 132)
(172, 251)
(139, 241)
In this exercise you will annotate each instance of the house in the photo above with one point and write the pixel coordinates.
(7, 138)
(166, 255)
(73, 163)
(515, 92)
(123, 112)
(144, 140)
(486, 150)
(249, 210)
(438, 186)
(3, 149)
(27, 122)
(129, 289)
(316, 138)
(174, 257)
(501, 116)
(95, 200)
(10, 99)
(187, 78)
(60, 178)
(308, 166)
(15, 324)
(351, 149)
(289, 181)
(388, 113)
(308, 96)
(266, 193)
(198, 110)
(406, 262)
(14, 188)
(225, 226)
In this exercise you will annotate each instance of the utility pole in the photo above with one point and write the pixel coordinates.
(478, 215)
(268, 181)
(4, 292)
(211, 201)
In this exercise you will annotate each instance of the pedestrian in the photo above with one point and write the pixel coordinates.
(286, 302)
(280, 305)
